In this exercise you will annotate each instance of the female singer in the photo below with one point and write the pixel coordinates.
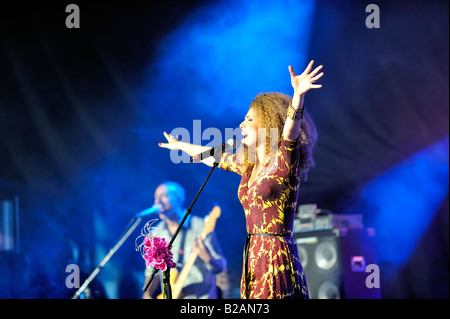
(269, 186)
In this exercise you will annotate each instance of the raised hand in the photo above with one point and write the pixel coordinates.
(304, 82)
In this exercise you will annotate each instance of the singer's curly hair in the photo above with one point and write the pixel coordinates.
(270, 112)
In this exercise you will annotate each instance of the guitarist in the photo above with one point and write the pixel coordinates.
(201, 279)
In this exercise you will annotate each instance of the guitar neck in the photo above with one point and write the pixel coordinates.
(209, 225)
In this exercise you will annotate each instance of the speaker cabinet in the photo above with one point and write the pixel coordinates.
(335, 263)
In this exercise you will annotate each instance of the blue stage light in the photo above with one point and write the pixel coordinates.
(403, 201)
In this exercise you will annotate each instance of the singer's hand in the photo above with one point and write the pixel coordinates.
(172, 142)
(304, 82)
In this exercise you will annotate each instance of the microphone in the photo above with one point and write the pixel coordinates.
(152, 210)
(218, 150)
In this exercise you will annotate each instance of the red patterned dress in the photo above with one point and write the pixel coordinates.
(272, 268)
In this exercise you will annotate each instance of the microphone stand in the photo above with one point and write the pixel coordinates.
(167, 289)
(127, 232)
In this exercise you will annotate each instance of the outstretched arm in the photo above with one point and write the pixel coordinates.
(301, 84)
(191, 149)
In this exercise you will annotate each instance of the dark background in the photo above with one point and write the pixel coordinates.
(82, 111)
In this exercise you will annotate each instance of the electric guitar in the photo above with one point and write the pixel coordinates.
(177, 279)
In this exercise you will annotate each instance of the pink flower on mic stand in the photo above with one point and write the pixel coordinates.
(157, 253)
(155, 250)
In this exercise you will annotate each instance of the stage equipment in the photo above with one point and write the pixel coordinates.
(335, 251)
